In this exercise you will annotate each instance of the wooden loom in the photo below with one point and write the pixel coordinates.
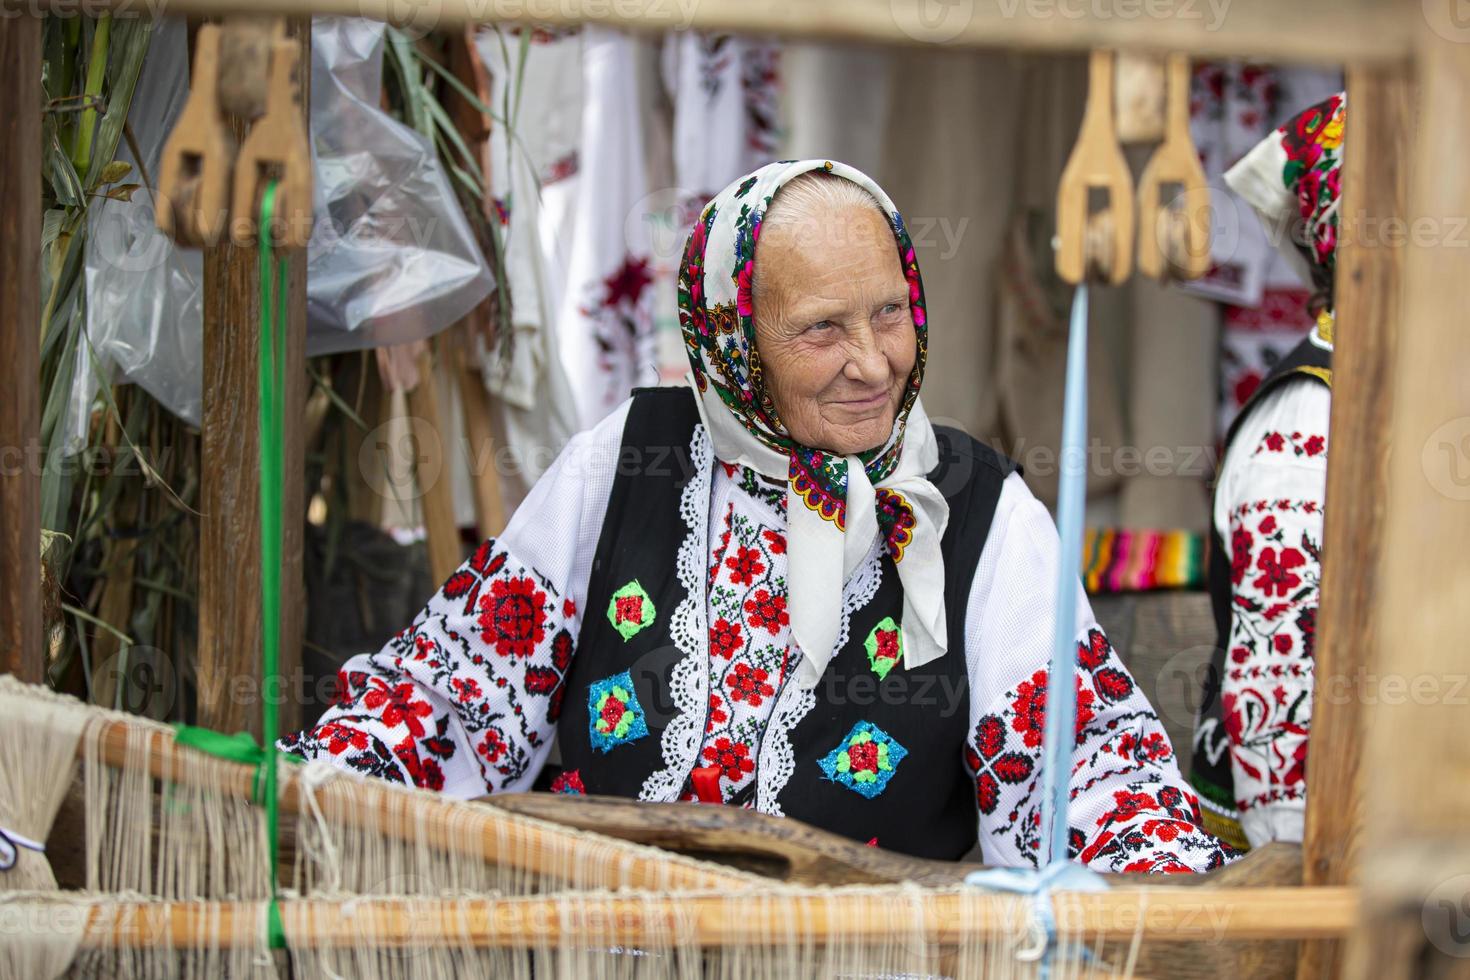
(1390, 595)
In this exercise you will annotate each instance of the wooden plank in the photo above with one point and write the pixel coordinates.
(1166, 915)
(480, 438)
(432, 472)
(1360, 30)
(1368, 284)
(1416, 831)
(21, 641)
(229, 540)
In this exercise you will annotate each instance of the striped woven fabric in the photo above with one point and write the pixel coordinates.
(1119, 560)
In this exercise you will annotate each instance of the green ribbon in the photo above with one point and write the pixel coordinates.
(242, 747)
(272, 466)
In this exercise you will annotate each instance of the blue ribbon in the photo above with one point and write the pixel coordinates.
(10, 845)
(1061, 875)
(1058, 871)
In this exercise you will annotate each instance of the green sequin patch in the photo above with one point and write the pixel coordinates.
(885, 646)
(631, 610)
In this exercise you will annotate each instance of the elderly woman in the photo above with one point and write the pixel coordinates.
(779, 587)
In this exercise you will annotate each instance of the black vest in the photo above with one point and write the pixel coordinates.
(1213, 779)
(621, 700)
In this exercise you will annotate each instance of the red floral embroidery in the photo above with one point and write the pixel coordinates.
(749, 685)
(493, 745)
(340, 738)
(512, 617)
(425, 773)
(745, 565)
(717, 714)
(733, 758)
(1276, 575)
(396, 706)
(1030, 708)
(725, 639)
(1241, 543)
(465, 689)
(775, 541)
(767, 612)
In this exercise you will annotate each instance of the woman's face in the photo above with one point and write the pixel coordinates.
(833, 328)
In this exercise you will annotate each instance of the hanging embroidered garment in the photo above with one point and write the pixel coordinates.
(535, 91)
(640, 606)
(606, 311)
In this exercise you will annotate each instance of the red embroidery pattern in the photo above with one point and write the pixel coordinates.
(1266, 692)
(749, 626)
(1131, 810)
(1293, 443)
(502, 679)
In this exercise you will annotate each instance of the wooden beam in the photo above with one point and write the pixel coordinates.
(1360, 30)
(1159, 915)
(229, 541)
(22, 650)
(1376, 158)
(1416, 831)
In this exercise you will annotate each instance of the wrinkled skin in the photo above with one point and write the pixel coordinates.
(833, 328)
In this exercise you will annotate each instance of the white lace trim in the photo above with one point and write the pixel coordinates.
(689, 680)
(777, 756)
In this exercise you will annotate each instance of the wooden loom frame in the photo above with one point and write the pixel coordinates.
(1396, 573)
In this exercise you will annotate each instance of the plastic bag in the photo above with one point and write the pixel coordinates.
(144, 295)
(392, 257)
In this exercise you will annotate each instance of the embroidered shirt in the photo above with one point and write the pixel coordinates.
(465, 699)
(1268, 508)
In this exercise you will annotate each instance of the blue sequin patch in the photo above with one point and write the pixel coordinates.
(865, 760)
(614, 715)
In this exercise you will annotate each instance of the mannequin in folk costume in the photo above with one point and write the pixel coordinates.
(1251, 736)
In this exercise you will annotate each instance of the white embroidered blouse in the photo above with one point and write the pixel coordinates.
(465, 699)
(1268, 512)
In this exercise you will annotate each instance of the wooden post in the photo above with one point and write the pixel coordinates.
(1367, 291)
(229, 567)
(22, 650)
(433, 475)
(1416, 765)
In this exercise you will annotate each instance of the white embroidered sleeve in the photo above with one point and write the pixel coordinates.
(466, 698)
(1130, 810)
(1268, 512)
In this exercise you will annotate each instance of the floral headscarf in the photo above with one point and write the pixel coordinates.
(1295, 175)
(835, 504)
